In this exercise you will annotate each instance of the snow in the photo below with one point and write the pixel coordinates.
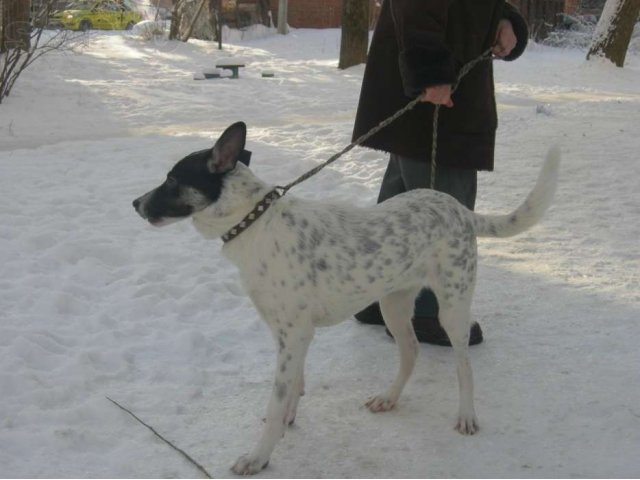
(96, 303)
(232, 61)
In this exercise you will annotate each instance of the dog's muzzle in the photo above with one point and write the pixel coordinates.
(138, 204)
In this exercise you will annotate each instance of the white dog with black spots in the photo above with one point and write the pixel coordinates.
(308, 264)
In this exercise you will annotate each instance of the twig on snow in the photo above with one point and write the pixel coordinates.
(177, 449)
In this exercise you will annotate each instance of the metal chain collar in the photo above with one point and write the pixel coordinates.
(253, 215)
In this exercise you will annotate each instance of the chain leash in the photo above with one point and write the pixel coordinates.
(486, 55)
(279, 191)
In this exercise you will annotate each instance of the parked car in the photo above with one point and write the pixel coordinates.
(99, 14)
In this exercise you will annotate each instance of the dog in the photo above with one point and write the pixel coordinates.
(307, 264)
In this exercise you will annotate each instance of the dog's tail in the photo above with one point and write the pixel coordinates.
(531, 210)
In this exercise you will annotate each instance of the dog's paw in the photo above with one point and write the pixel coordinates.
(380, 403)
(467, 425)
(290, 420)
(248, 465)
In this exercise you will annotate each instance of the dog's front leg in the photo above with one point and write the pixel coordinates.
(293, 344)
(293, 407)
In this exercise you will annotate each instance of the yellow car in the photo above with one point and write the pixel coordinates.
(99, 14)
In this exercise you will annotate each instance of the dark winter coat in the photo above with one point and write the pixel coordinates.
(420, 43)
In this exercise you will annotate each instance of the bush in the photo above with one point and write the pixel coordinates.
(149, 29)
(577, 32)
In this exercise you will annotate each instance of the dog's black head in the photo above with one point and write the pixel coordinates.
(195, 182)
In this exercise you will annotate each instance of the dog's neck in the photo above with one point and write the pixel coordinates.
(240, 193)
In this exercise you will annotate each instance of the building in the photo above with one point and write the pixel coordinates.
(543, 15)
(327, 13)
(318, 14)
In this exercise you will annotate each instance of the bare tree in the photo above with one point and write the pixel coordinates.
(355, 33)
(613, 32)
(192, 24)
(191, 18)
(22, 44)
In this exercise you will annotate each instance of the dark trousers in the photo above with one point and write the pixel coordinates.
(405, 174)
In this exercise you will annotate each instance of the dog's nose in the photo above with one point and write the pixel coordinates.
(136, 203)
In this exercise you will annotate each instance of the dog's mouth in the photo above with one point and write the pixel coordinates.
(162, 222)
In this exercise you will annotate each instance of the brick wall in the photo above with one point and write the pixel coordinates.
(324, 14)
(310, 13)
(315, 13)
(571, 6)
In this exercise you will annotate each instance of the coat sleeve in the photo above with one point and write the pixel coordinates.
(424, 58)
(520, 28)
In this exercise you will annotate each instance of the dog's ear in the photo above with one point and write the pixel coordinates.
(226, 152)
(245, 157)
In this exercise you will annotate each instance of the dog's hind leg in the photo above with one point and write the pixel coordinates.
(292, 351)
(456, 321)
(397, 310)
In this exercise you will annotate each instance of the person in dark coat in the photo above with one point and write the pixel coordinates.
(418, 48)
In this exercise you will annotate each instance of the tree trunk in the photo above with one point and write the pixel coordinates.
(613, 32)
(355, 33)
(15, 29)
(176, 20)
(2, 26)
(263, 7)
(215, 18)
(282, 17)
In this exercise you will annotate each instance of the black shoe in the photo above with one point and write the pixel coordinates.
(370, 315)
(428, 330)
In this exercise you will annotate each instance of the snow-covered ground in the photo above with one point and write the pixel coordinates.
(96, 303)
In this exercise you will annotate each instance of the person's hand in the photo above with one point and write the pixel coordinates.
(506, 39)
(438, 95)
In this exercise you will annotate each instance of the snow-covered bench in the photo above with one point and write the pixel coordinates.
(232, 64)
